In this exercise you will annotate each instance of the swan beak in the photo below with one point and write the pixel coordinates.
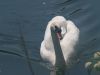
(59, 36)
(58, 32)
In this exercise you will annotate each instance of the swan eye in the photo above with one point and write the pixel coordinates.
(57, 29)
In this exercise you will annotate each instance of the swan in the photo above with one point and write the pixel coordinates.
(68, 35)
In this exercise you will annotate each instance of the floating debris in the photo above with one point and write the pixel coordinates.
(75, 11)
(44, 3)
(64, 2)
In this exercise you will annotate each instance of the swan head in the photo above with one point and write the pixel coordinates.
(59, 25)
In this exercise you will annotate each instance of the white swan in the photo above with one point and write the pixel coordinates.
(68, 39)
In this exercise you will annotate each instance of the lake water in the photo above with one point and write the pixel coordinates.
(31, 17)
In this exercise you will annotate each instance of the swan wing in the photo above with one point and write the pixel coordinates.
(47, 54)
(70, 40)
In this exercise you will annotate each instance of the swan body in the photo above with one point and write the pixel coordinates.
(70, 34)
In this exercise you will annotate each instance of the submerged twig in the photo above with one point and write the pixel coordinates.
(75, 11)
(25, 49)
(10, 52)
(20, 55)
(67, 1)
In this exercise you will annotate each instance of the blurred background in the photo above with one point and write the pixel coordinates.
(22, 27)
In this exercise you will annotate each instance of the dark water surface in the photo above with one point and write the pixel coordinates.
(32, 16)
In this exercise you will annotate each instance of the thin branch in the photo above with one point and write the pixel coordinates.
(25, 49)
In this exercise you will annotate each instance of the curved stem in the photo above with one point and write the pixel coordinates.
(60, 65)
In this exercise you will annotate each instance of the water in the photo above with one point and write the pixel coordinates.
(33, 16)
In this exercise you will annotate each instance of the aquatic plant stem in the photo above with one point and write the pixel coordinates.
(25, 49)
(60, 65)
